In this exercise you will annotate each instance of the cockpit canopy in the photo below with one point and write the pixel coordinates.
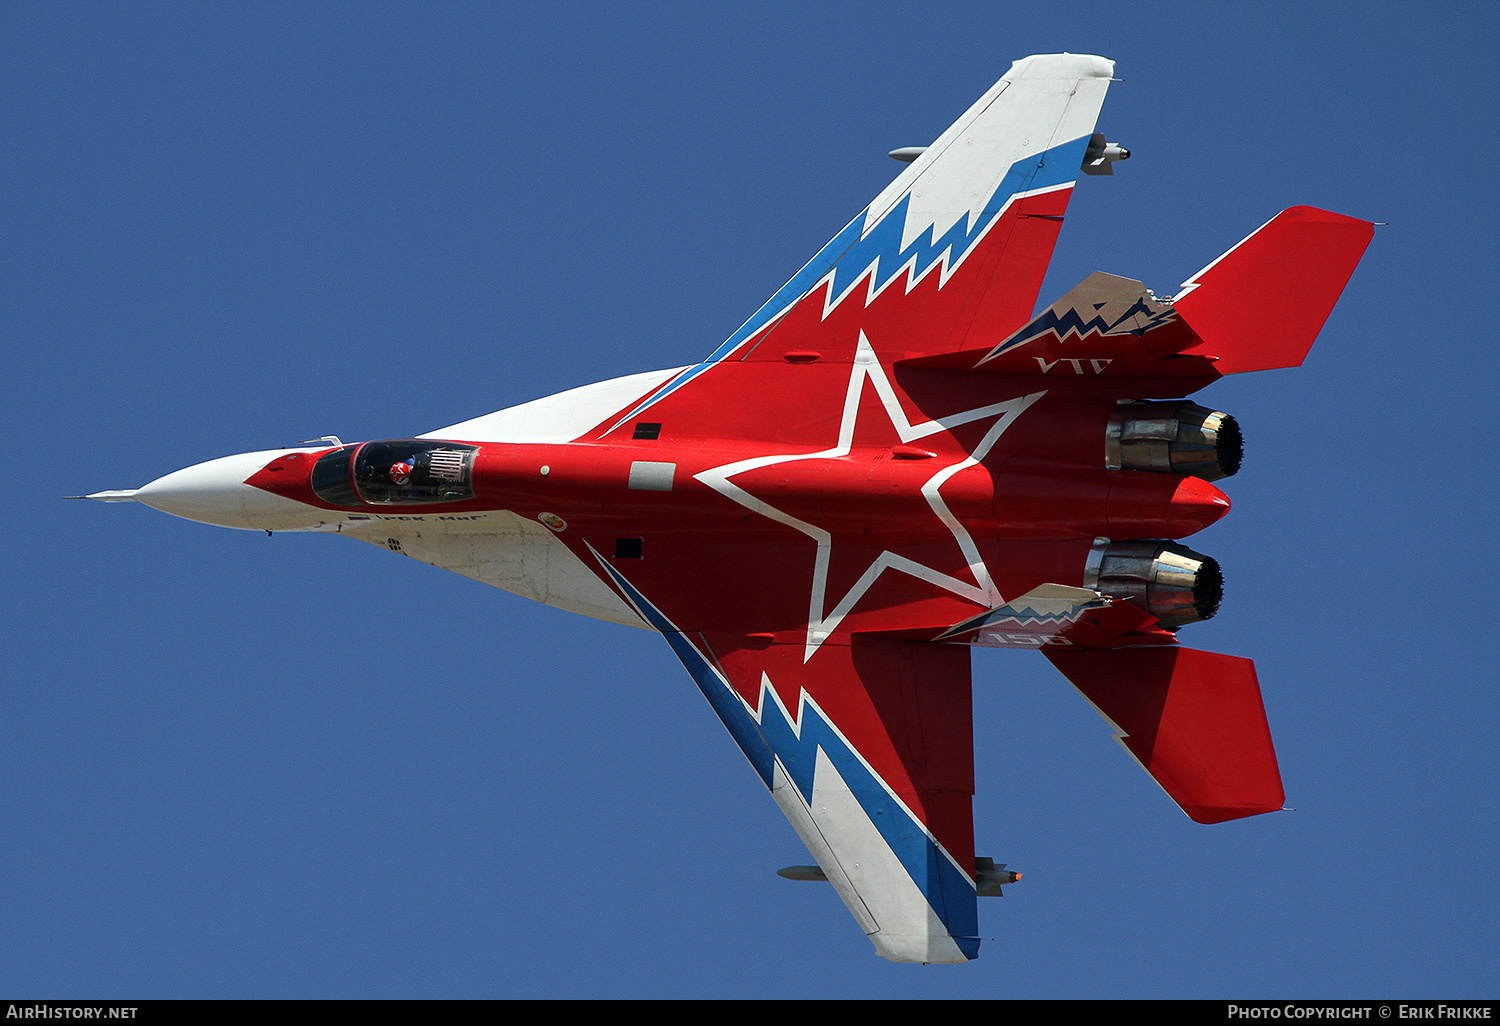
(402, 471)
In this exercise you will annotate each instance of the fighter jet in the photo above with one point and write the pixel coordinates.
(893, 460)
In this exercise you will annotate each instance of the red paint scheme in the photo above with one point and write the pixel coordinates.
(868, 501)
(1258, 307)
(912, 701)
(743, 585)
(1262, 304)
(859, 487)
(1193, 719)
(290, 476)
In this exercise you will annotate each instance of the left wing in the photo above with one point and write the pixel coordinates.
(868, 747)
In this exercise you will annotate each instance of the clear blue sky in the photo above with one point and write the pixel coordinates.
(231, 227)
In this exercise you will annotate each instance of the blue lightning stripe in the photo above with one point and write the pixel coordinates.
(854, 250)
(1071, 321)
(950, 893)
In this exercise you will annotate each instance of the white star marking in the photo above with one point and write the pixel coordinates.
(820, 622)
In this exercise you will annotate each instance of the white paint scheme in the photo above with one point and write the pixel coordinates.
(769, 694)
(509, 551)
(557, 418)
(1049, 99)
(215, 493)
(505, 551)
(1056, 599)
(499, 548)
(1036, 618)
(864, 866)
(800, 816)
(867, 874)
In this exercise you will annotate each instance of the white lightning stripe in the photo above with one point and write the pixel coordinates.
(869, 275)
(757, 713)
(1193, 283)
(943, 260)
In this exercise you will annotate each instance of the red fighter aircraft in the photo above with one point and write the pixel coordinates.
(891, 461)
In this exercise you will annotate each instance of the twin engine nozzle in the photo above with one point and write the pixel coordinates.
(1173, 437)
(1171, 582)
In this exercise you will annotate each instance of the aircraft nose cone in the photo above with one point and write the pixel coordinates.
(215, 493)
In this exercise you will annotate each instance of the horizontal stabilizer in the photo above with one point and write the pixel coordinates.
(1257, 307)
(1194, 720)
(1261, 305)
